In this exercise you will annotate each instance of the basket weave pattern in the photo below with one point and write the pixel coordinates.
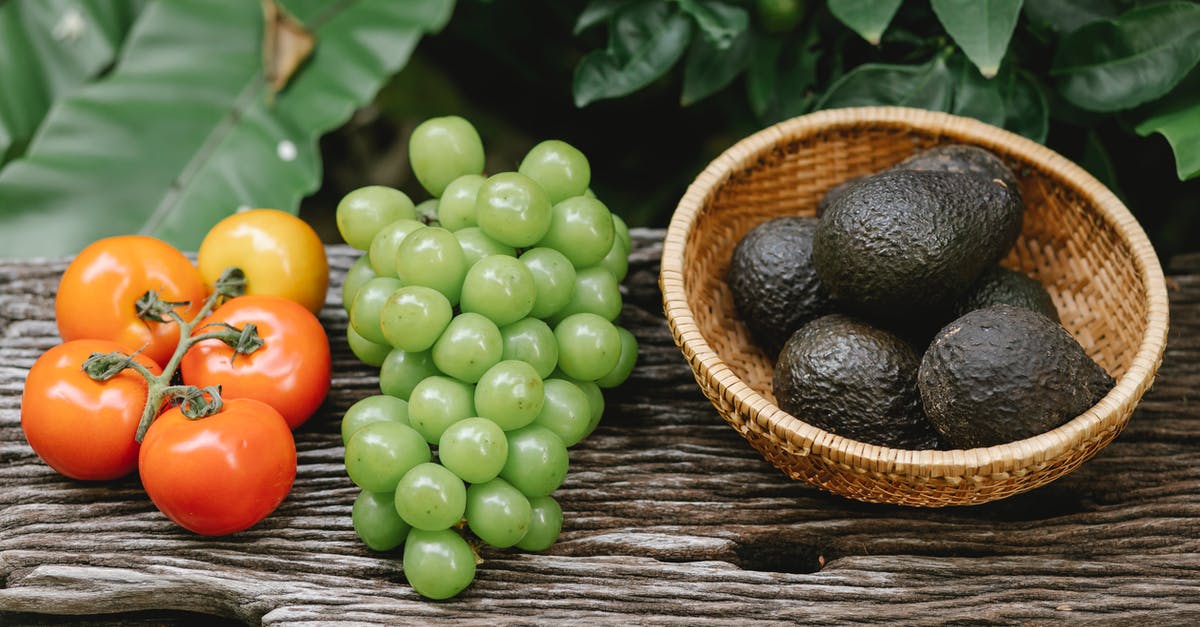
(1078, 240)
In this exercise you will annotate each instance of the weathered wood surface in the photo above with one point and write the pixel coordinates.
(670, 518)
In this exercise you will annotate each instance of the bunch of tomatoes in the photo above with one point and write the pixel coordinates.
(194, 375)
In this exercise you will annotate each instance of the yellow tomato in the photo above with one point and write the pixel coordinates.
(280, 254)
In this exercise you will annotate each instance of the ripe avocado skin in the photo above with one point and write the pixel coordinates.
(1005, 373)
(775, 288)
(850, 378)
(959, 158)
(1001, 286)
(902, 246)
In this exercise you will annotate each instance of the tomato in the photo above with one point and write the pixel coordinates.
(290, 371)
(222, 473)
(280, 254)
(82, 428)
(98, 293)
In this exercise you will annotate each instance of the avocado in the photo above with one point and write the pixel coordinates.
(1001, 286)
(904, 245)
(850, 378)
(1006, 373)
(775, 288)
(959, 158)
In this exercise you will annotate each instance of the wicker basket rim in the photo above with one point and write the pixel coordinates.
(805, 439)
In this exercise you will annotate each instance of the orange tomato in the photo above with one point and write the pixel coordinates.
(98, 293)
(82, 428)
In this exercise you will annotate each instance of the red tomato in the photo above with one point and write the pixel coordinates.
(220, 474)
(99, 290)
(82, 428)
(291, 370)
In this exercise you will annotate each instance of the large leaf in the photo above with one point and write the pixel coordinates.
(708, 68)
(1064, 16)
(184, 130)
(928, 86)
(48, 48)
(982, 28)
(720, 22)
(1013, 100)
(597, 12)
(868, 18)
(645, 40)
(1177, 118)
(1118, 64)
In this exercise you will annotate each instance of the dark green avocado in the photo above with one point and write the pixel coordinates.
(1005, 373)
(850, 378)
(1001, 286)
(775, 288)
(902, 245)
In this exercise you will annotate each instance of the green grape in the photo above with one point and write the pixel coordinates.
(443, 149)
(596, 291)
(558, 167)
(430, 497)
(438, 402)
(588, 346)
(621, 231)
(401, 371)
(368, 303)
(537, 461)
(589, 193)
(566, 411)
(378, 408)
(386, 244)
(544, 525)
(365, 350)
(476, 245)
(510, 394)
(512, 209)
(457, 207)
(438, 564)
(433, 258)
(530, 340)
(474, 449)
(359, 273)
(554, 278)
(594, 395)
(580, 228)
(414, 316)
(499, 287)
(364, 211)
(625, 363)
(376, 521)
(498, 513)
(468, 347)
(379, 454)
(427, 211)
(616, 261)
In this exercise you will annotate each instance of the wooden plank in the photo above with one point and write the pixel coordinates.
(670, 517)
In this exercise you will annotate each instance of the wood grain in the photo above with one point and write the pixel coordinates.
(670, 517)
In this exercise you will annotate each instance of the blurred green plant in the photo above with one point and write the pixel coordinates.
(1120, 58)
(161, 117)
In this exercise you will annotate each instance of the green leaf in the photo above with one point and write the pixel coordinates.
(1064, 16)
(1118, 64)
(183, 131)
(1012, 100)
(598, 12)
(48, 48)
(927, 86)
(868, 18)
(645, 40)
(1177, 118)
(982, 28)
(707, 68)
(761, 74)
(721, 23)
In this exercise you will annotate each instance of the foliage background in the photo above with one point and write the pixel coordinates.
(650, 90)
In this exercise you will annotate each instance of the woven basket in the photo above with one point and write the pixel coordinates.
(1077, 239)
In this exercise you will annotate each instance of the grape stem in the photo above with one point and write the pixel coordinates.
(194, 402)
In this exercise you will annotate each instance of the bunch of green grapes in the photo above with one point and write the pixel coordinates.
(490, 312)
